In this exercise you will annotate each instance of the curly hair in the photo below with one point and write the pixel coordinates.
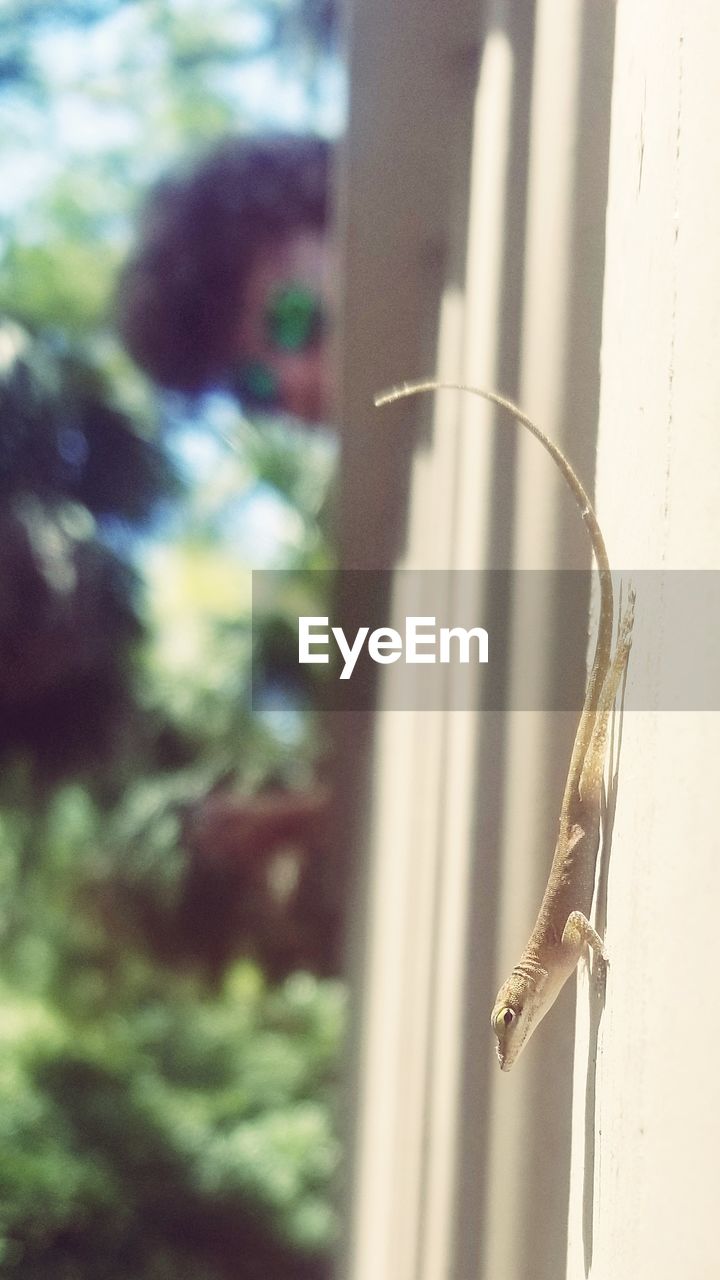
(181, 290)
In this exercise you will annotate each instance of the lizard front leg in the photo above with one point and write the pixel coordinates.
(580, 936)
(579, 933)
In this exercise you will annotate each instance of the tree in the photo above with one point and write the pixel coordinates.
(71, 460)
(165, 1106)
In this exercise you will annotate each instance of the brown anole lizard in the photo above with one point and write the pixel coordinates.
(563, 932)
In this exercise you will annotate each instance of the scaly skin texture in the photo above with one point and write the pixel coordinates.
(562, 931)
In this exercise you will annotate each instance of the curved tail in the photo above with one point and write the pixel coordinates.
(601, 660)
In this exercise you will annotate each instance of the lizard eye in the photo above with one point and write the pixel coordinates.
(504, 1018)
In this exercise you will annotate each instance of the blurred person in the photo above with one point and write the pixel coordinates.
(230, 287)
(230, 284)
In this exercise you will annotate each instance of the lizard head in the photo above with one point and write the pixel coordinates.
(518, 1010)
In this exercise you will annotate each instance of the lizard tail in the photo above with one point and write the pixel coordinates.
(603, 645)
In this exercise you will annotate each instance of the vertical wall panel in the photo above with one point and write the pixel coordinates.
(647, 1203)
(474, 221)
(557, 382)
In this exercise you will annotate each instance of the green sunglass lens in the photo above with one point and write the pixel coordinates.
(256, 384)
(294, 318)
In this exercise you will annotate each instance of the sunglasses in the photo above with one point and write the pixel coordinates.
(294, 321)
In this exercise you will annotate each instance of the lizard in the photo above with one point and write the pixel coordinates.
(562, 934)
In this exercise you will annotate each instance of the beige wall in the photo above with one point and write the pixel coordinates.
(476, 181)
(649, 1205)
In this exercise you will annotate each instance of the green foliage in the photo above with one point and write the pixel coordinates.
(70, 456)
(178, 1142)
(61, 282)
(67, 437)
(166, 1109)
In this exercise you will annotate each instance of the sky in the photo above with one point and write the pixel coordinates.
(86, 112)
